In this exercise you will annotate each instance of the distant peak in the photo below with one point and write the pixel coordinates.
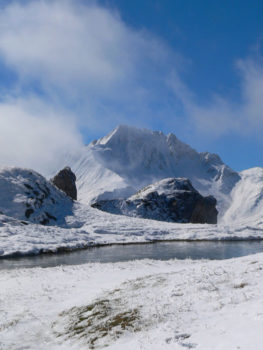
(125, 128)
(118, 131)
(133, 130)
(129, 133)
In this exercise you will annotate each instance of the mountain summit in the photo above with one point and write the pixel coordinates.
(128, 158)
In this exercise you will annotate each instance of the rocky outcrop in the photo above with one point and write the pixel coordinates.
(172, 200)
(65, 180)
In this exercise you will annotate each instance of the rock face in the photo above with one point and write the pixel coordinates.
(172, 200)
(65, 180)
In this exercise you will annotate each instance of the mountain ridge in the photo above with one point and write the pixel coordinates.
(130, 158)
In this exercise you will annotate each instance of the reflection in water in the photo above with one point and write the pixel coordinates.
(158, 251)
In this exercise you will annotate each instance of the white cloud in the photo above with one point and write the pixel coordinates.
(69, 44)
(221, 115)
(84, 57)
(252, 91)
(33, 136)
(62, 43)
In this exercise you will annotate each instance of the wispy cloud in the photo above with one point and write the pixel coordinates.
(76, 57)
(85, 55)
(65, 43)
(221, 114)
(33, 135)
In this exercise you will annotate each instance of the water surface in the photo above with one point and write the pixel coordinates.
(158, 250)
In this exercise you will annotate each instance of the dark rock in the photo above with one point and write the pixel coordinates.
(28, 212)
(28, 186)
(65, 180)
(44, 221)
(172, 200)
(24, 223)
(205, 211)
(52, 217)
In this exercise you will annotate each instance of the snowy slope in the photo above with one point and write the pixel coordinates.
(247, 198)
(95, 180)
(128, 159)
(28, 196)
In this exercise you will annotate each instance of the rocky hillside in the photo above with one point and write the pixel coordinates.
(171, 200)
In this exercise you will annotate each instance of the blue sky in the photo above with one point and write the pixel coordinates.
(211, 34)
(70, 71)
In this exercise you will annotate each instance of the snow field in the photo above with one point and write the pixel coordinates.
(135, 305)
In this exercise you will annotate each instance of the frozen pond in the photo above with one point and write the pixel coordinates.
(158, 250)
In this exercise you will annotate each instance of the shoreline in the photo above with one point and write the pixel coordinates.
(69, 250)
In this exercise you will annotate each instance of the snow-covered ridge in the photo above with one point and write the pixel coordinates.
(28, 196)
(247, 198)
(128, 159)
(165, 187)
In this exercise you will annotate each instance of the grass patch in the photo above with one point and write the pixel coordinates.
(240, 285)
(99, 323)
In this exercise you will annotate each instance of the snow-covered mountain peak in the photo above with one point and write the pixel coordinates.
(129, 158)
(129, 134)
(138, 149)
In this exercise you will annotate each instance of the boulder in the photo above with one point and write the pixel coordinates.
(65, 180)
(171, 199)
